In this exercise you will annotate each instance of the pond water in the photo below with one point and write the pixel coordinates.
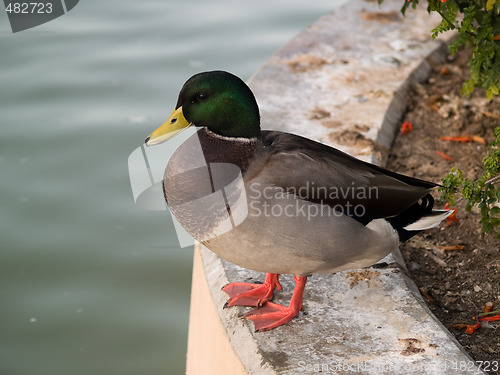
(89, 282)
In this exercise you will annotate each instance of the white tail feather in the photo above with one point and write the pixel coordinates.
(430, 221)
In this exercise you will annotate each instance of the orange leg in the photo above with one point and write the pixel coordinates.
(272, 315)
(247, 294)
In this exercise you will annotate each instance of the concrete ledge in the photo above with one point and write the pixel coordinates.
(343, 81)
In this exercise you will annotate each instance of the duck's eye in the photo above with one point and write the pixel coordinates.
(199, 98)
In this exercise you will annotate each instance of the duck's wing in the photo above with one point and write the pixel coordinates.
(316, 172)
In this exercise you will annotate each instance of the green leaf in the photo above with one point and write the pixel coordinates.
(492, 90)
(495, 221)
(467, 87)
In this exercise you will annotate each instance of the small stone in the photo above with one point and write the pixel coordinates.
(413, 266)
(398, 45)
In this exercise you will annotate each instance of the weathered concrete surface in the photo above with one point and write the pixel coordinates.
(359, 321)
(344, 81)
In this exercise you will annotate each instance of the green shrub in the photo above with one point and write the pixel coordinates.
(478, 25)
(482, 191)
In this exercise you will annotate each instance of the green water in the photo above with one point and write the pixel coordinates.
(89, 282)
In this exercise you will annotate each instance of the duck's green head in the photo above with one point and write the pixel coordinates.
(217, 100)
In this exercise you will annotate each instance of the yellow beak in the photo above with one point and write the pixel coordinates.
(173, 126)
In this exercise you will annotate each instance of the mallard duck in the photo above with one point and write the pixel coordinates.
(280, 203)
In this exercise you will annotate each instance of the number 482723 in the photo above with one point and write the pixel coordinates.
(25, 8)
